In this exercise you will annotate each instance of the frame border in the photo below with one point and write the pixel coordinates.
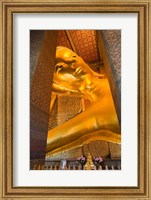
(8, 8)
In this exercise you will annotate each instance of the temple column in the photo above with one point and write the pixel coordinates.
(42, 61)
(109, 43)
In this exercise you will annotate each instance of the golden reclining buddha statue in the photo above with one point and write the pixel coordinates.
(99, 121)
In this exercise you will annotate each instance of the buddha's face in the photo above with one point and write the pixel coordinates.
(69, 69)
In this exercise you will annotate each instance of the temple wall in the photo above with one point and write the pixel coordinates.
(65, 108)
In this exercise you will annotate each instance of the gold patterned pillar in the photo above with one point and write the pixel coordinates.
(109, 43)
(42, 48)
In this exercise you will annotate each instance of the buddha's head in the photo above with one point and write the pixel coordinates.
(70, 69)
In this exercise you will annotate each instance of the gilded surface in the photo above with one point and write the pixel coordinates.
(89, 164)
(99, 122)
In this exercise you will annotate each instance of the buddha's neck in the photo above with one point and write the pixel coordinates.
(95, 88)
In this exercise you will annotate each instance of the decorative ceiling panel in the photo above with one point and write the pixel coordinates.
(83, 41)
(85, 44)
(63, 39)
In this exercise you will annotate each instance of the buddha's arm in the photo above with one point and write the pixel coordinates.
(88, 122)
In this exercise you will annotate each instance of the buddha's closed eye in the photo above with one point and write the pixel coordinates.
(58, 67)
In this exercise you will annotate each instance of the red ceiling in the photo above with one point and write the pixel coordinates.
(84, 42)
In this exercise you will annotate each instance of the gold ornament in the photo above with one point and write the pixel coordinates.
(89, 164)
